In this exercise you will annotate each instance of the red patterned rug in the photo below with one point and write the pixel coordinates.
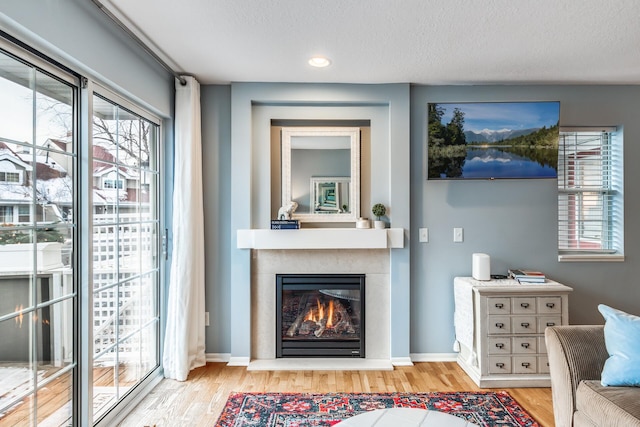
(321, 410)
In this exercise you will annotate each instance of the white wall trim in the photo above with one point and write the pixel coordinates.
(238, 361)
(434, 357)
(395, 361)
(401, 361)
(217, 357)
(590, 258)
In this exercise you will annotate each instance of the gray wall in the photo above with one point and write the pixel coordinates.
(77, 34)
(512, 220)
(216, 154)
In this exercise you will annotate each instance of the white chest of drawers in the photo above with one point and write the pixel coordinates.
(500, 327)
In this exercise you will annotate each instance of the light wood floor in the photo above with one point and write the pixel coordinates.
(199, 400)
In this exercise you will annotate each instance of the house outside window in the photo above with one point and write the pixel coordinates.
(113, 183)
(6, 214)
(10, 177)
(590, 196)
(24, 214)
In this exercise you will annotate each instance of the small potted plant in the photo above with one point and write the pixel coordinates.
(378, 210)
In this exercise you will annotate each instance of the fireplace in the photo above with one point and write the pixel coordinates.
(320, 315)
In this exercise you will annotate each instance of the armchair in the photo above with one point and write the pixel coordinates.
(576, 357)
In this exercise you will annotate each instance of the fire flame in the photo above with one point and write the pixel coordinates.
(20, 316)
(318, 313)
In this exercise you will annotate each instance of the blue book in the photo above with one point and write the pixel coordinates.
(285, 226)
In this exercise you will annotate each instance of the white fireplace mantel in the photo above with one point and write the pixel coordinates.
(321, 238)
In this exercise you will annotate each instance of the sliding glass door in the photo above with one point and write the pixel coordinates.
(80, 263)
(38, 242)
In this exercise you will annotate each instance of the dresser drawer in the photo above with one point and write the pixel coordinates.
(543, 364)
(524, 325)
(525, 345)
(549, 305)
(499, 305)
(524, 305)
(499, 365)
(499, 325)
(525, 365)
(546, 321)
(499, 345)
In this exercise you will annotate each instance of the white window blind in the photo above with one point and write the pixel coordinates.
(589, 192)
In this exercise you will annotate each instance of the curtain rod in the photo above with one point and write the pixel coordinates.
(140, 42)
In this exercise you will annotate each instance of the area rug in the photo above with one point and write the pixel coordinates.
(320, 410)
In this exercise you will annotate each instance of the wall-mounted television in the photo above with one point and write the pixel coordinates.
(493, 140)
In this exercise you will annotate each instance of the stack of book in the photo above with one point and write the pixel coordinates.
(527, 276)
(285, 224)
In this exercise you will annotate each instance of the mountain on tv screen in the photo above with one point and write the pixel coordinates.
(493, 140)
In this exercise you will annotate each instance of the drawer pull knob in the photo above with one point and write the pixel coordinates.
(500, 365)
(551, 305)
(524, 305)
(551, 324)
(499, 305)
(499, 345)
(526, 364)
(524, 325)
(525, 344)
(500, 325)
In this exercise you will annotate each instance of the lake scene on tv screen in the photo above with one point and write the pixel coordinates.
(493, 140)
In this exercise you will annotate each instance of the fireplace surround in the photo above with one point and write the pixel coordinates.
(320, 315)
(373, 263)
(256, 252)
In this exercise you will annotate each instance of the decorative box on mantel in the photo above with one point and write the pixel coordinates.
(321, 238)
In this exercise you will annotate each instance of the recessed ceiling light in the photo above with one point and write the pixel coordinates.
(319, 62)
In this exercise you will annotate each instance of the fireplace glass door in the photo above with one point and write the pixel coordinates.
(320, 315)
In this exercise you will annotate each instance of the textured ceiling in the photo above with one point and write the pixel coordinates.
(388, 41)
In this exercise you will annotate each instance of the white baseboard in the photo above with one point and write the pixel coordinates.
(238, 361)
(217, 357)
(395, 361)
(321, 364)
(401, 361)
(434, 357)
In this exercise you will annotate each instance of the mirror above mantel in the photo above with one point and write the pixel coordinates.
(321, 172)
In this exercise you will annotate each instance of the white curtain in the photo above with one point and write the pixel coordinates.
(184, 344)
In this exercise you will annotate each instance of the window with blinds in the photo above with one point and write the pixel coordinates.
(589, 192)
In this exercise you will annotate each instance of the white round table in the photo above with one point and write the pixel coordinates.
(404, 417)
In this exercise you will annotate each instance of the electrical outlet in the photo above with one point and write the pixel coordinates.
(206, 318)
(458, 235)
(424, 235)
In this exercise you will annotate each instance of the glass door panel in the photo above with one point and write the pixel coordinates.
(125, 245)
(38, 294)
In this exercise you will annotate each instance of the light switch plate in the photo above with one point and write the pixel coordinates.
(458, 235)
(424, 235)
